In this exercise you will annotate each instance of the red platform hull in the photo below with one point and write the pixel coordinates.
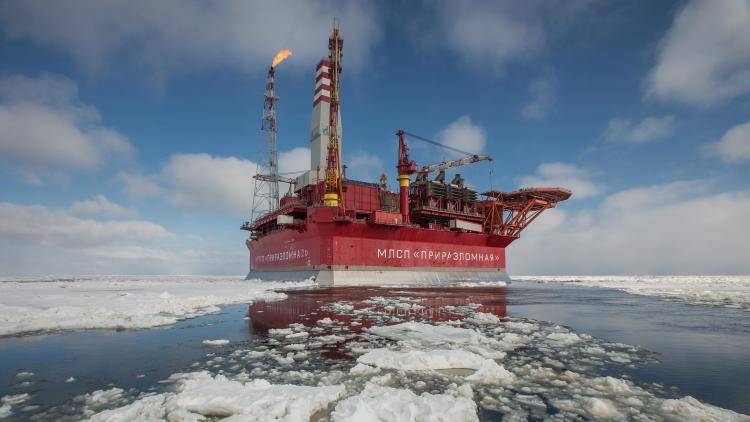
(357, 251)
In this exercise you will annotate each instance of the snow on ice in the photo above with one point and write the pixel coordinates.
(198, 395)
(378, 403)
(122, 302)
(415, 369)
(217, 342)
(727, 291)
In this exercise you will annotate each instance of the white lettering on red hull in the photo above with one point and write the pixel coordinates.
(438, 255)
(282, 256)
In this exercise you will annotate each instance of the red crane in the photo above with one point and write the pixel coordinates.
(406, 167)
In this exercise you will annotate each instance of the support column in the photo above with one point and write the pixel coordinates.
(403, 182)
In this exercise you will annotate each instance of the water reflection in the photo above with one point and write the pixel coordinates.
(307, 307)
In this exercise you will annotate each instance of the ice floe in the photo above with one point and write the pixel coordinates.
(377, 403)
(14, 399)
(417, 360)
(474, 365)
(727, 291)
(421, 334)
(122, 302)
(217, 342)
(199, 395)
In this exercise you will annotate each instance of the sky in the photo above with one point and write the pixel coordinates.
(129, 130)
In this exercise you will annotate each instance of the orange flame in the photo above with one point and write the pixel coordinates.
(280, 56)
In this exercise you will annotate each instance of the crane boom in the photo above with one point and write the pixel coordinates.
(454, 163)
(407, 167)
(430, 141)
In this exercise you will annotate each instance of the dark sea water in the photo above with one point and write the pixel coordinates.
(695, 350)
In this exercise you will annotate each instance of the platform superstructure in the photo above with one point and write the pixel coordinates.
(342, 231)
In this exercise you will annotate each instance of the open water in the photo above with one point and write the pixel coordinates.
(677, 349)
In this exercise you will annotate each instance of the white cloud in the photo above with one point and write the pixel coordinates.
(44, 226)
(648, 197)
(174, 35)
(139, 186)
(101, 206)
(45, 131)
(704, 59)
(562, 175)
(464, 135)
(365, 167)
(542, 91)
(675, 228)
(205, 182)
(647, 130)
(294, 160)
(37, 240)
(734, 146)
(498, 33)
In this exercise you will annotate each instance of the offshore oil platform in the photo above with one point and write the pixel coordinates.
(341, 231)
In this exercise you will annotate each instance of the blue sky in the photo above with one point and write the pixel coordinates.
(129, 130)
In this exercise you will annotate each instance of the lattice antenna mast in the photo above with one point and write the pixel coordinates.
(334, 194)
(266, 192)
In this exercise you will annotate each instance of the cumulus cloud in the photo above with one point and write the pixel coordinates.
(46, 131)
(464, 135)
(647, 130)
(543, 97)
(365, 167)
(294, 160)
(101, 206)
(734, 145)
(139, 186)
(44, 226)
(675, 228)
(172, 35)
(704, 58)
(203, 182)
(209, 183)
(498, 33)
(562, 175)
(38, 240)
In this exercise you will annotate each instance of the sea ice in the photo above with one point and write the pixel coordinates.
(122, 302)
(377, 403)
(690, 409)
(417, 360)
(24, 375)
(200, 394)
(727, 291)
(14, 400)
(217, 342)
(485, 318)
(513, 368)
(491, 373)
(564, 338)
(102, 397)
(421, 334)
(5, 411)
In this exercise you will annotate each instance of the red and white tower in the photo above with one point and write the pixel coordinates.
(319, 124)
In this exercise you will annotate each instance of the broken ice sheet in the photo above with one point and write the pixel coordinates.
(485, 364)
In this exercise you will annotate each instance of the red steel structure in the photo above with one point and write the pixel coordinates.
(341, 231)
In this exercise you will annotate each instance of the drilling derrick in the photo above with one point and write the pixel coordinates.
(333, 188)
